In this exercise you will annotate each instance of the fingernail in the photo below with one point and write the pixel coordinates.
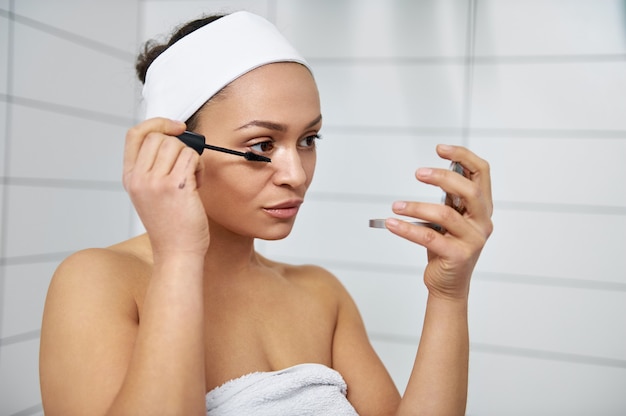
(445, 147)
(399, 205)
(424, 172)
(391, 223)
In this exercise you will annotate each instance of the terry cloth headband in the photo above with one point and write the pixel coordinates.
(199, 65)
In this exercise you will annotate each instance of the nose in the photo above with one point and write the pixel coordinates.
(290, 168)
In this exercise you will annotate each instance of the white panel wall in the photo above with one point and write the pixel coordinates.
(536, 87)
(548, 99)
(67, 95)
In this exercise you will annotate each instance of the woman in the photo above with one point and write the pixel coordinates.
(188, 318)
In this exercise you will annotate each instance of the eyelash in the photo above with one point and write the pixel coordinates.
(310, 146)
(311, 140)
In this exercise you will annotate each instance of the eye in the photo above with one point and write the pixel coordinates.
(263, 147)
(309, 141)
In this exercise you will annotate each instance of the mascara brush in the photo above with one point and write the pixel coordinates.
(197, 142)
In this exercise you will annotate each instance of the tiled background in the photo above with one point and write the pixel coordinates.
(536, 87)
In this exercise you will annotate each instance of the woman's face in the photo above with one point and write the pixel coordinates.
(274, 111)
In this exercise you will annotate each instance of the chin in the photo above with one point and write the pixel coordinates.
(272, 236)
(275, 233)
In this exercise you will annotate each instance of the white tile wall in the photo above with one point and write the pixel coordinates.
(19, 383)
(575, 179)
(375, 28)
(62, 146)
(552, 319)
(509, 315)
(569, 96)
(516, 386)
(3, 121)
(395, 355)
(71, 98)
(3, 189)
(50, 67)
(557, 244)
(49, 220)
(77, 18)
(27, 285)
(369, 172)
(391, 95)
(159, 18)
(550, 28)
(4, 50)
(381, 293)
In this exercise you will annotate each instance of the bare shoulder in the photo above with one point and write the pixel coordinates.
(311, 277)
(110, 279)
(121, 265)
(89, 324)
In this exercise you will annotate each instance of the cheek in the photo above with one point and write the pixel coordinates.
(226, 187)
(309, 167)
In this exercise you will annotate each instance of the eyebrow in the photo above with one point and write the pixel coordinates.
(275, 126)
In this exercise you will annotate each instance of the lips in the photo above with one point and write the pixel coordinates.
(284, 210)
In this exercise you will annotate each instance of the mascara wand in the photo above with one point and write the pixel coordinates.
(197, 142)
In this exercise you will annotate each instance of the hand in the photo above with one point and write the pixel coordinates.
(162, 175)
(453, 255)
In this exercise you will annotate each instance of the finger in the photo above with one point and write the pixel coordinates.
(451, 182)
(424, 236)
(167, 154)
(478, 168)
(185, 168)
(462, 229)
(466, 157)
(477, 207)
(143, 161)
(148, 152)
(439, 214)
(137, 134)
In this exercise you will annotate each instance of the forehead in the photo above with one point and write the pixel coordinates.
(284, 80)
(278, 91)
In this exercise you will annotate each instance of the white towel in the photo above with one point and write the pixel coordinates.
(303, 390)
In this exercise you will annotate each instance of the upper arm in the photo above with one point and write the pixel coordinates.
(88, 331)
(370, 387)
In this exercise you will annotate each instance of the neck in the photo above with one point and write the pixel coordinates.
(229, 254)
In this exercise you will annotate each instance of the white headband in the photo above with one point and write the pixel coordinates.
(199, 65)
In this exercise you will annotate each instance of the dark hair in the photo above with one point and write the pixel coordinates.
(153, 48)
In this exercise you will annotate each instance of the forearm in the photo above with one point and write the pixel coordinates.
(438, 382)
(166, 371)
